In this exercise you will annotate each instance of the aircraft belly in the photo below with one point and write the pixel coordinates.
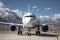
(30, 25)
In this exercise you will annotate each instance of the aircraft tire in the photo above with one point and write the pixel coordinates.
(29, 34)
(19, 32)
(37, 32)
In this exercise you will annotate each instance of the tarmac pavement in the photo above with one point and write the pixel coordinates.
(8, 35)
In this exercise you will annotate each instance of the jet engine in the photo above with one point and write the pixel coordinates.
(45, 28)
(13, 28)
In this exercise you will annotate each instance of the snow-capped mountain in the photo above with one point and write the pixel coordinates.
(15, 16)
(47, 19)
(8, 15)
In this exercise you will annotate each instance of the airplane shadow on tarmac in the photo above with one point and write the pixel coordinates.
(43, 35)
(46, 35)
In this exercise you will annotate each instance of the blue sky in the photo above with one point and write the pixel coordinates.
(38, 7)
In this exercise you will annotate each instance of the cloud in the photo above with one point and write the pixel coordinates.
(1, 4)
(34, 7)
(57, 15)
(57, 18)
(46, 9)
(44, 16)
(17, 10)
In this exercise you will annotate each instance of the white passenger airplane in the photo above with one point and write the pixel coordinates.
(29, 21)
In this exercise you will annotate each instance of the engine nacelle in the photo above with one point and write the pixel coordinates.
(45, 28)
(13, 28)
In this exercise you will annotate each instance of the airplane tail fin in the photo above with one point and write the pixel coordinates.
(28, 6)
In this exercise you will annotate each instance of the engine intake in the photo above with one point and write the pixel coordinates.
(13, 28)
(45, 28)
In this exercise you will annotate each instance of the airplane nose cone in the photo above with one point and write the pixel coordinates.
(26, 20)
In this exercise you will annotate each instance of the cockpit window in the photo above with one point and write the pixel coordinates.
(30, 16)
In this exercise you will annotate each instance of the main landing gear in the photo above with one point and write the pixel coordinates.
(29, 31)
(19, 31)
(38, 31)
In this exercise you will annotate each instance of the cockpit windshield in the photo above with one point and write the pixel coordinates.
(30, 16)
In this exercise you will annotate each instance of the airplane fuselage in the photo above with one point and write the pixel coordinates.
(29, 20)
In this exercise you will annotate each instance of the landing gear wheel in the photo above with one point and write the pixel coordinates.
(19, 32)
(37, 32)
(29, 34)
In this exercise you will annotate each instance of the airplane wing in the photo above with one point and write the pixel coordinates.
(53, 26)
(9, 26)
(11, 23)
